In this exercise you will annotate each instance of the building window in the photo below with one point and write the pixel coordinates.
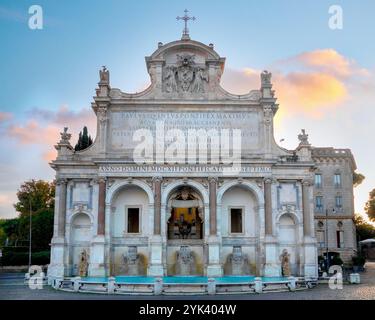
(319, 203)
(320, 235)
(340, 238)
(337, 180)
(133, 220)
(235, 220)
(318, 180)
(338, 202)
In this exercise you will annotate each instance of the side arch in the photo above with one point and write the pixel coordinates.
(248, 184)
(117, 186)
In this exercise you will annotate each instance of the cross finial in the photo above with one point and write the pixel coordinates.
(186, 18)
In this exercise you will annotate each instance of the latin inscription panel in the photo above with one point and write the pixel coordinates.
(124, 124)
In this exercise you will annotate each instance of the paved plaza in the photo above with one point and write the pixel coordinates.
(13, 288)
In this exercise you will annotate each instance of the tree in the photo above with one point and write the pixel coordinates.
(357, 179)
(35, 195)
(3, 235)
(84, 140)
(42, 229)
(364, 229)
(370, 206)
(11, 229)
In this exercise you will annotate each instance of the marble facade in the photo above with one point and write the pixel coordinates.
(113, 208)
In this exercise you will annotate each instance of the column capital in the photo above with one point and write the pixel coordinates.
(157, 179)
(60, 181)
(268, 180)
(99, 180)
(212, 179)
(307, 182)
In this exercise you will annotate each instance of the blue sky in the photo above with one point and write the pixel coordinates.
(45, 70)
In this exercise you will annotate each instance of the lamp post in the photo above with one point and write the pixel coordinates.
(327, 249)
(30, 232)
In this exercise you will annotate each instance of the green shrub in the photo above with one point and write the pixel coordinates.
(359, 260)
(336, 261)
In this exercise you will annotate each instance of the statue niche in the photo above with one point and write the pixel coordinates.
(185, 221)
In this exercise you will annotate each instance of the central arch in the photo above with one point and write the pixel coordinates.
(189, 248)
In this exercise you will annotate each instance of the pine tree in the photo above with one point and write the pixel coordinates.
(84, 140)
(78, 146)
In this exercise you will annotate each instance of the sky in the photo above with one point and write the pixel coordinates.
(324, 78)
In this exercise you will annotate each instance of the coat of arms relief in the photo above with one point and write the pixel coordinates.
(185, 76)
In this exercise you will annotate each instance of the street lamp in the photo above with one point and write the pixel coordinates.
(327, 249)
(30, 232)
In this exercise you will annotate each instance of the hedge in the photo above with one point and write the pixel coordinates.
(22, 258)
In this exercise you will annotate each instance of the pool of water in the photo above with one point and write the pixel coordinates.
(182, 279)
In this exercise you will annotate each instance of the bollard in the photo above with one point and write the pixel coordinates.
(258, 285)
(76, 284)
(354, 278)
(111, 285)
(158, 286)
(292, 283)
(57, 282)
(211, 286)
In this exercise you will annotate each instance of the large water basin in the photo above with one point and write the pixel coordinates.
(182, 279)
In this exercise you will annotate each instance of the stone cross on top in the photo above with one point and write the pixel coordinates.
(186, 18)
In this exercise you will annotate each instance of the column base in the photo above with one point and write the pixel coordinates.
(272, 267)
(214, 268)
(156, 267)
(97, 266)
(57, 267)
(310, 266)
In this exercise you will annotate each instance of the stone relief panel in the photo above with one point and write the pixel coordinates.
(80, 195)
(287, 196)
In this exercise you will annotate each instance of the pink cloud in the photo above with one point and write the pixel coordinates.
(309, 83)
(34, 133)
(4, 116)
(326, 61)
(44, 128)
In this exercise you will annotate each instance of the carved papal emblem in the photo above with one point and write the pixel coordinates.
(185, 76)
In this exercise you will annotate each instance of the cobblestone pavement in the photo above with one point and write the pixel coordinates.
(13, 288)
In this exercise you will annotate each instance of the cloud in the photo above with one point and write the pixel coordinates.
(328, 61)
(64, 117)
(309, 93)
(309, 83)
(5, 116)
(49, 155)
(33, 133)
(44, 126)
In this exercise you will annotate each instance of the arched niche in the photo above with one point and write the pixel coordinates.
(185, 213)
(81, 233)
